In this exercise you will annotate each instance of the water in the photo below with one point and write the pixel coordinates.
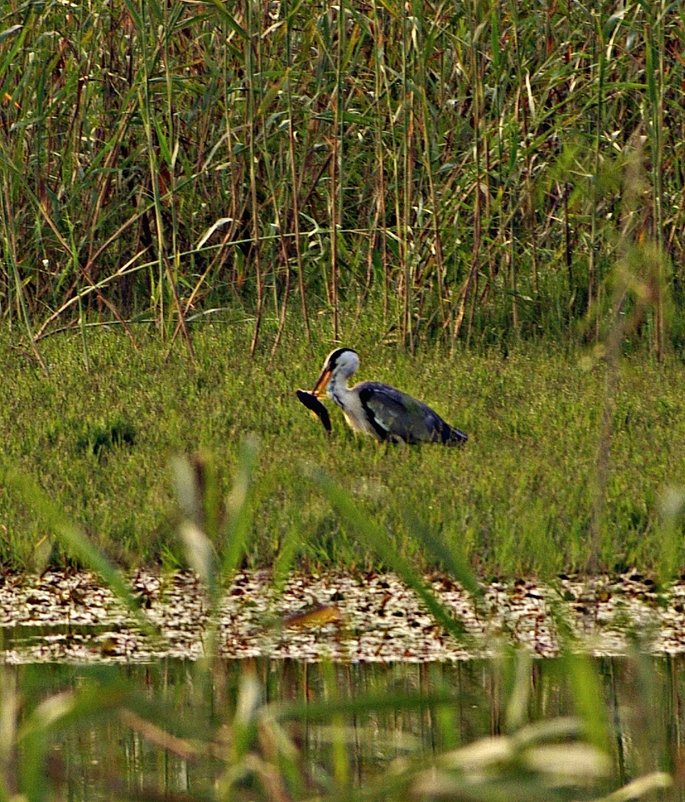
(166, 728)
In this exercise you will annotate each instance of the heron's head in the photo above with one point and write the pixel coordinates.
(342, 362)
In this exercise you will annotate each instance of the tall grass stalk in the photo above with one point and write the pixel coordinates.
(638, 291)
(295, 188)
(655, 63)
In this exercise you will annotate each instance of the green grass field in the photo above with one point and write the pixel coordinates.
(100, 431)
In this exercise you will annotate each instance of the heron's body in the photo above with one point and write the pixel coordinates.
(380, 410)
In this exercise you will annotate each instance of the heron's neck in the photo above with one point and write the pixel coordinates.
(338, 390)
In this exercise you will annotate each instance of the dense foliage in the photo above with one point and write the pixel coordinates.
(484, 168)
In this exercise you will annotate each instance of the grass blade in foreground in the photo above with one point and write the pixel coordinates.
(239, 507)
(74, 541)
(449, 559)
(50, 719)
(377, 540)
(195, 482)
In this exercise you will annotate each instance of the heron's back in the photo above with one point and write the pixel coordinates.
(395, 415)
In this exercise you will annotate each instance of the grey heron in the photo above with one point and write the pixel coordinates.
(379, 410)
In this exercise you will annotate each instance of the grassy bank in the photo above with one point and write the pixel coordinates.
(543, 485)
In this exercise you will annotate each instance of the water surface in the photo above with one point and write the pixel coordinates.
(144, 729)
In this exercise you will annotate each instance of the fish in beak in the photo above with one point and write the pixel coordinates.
(316, 407)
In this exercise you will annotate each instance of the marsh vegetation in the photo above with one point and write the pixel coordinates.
(478, 173)
(486, 200)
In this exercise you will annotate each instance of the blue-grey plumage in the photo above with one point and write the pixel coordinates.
(380, 410)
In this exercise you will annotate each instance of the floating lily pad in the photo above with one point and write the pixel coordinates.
(70, 616)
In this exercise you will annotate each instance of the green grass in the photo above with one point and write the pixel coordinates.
(521, 497)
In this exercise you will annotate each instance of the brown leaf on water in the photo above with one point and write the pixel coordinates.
(317, 616)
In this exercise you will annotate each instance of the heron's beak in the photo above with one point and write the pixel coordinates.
(322, 382)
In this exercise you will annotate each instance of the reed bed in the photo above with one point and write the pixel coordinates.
(478, 171)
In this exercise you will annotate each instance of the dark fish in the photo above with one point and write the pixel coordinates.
(314, 405)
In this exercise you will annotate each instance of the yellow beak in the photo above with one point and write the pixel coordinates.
(322, 382)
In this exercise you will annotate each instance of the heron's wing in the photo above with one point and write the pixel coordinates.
(395, 415)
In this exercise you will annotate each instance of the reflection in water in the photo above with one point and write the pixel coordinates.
(122, 744)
